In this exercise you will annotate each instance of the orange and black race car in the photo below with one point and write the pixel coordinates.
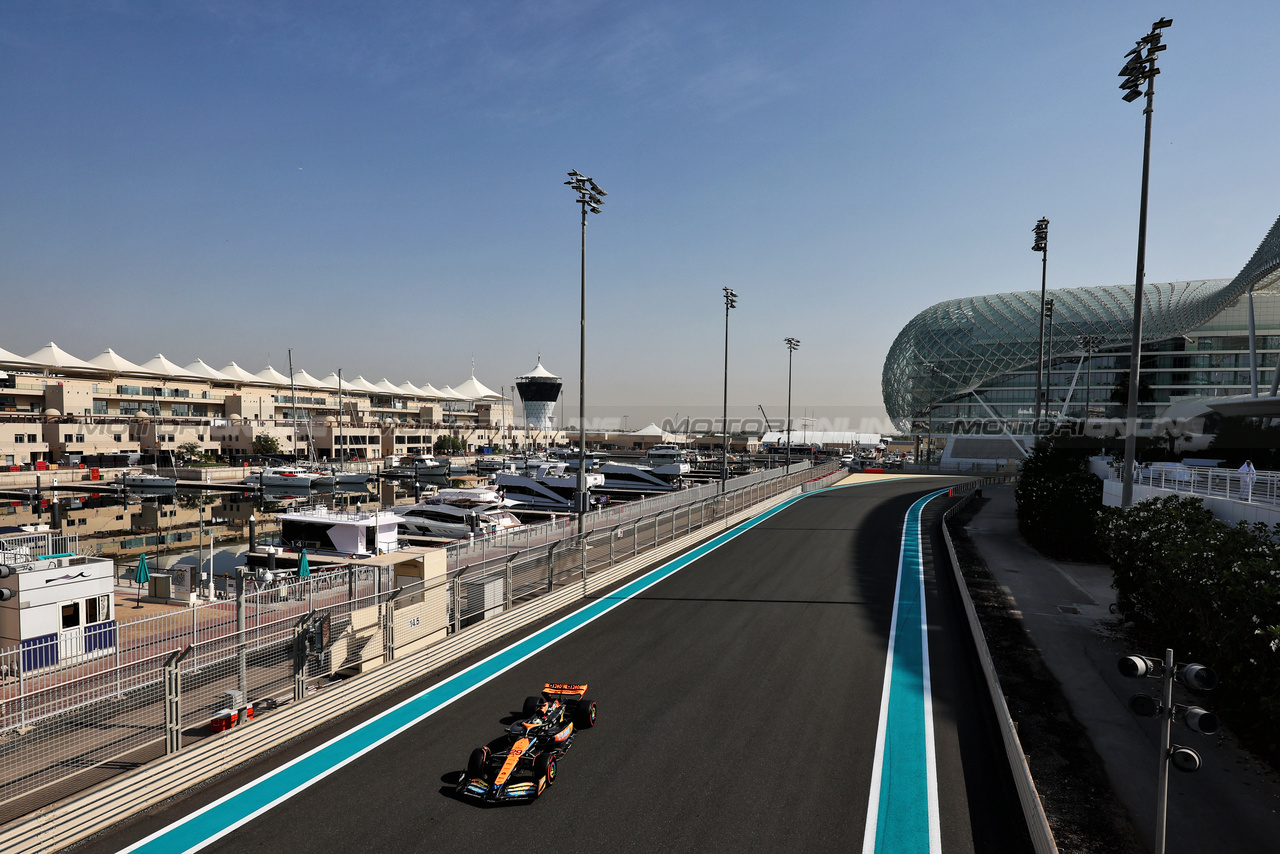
(525, 766)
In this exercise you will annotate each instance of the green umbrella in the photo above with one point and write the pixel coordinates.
(141, 576)
(304, 569)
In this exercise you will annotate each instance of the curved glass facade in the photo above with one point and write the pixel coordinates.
(976, 357)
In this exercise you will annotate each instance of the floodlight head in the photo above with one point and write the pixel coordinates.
(574, 173)
(1199, 720)
(598, 191)
(1198, 677)
(1133, 95)
(593, 208)
(1138, 666)
(1162, 23)
(1144, 705)
(1184, 759)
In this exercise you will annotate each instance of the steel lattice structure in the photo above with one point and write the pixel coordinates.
(951, 348)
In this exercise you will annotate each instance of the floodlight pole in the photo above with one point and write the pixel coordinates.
(1142, 68)
(730, 302)
(1048, 367)
(1040, 245)
(589, 198)
(793, 344)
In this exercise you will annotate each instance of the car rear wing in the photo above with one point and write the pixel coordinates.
(551, 690)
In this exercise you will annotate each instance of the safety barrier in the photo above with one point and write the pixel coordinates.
(1032, 809)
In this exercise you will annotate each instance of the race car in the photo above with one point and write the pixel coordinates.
(524, 768)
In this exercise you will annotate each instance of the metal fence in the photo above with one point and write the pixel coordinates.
(1262, 487)
(173, 679)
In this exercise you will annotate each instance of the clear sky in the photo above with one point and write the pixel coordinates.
(377, 185)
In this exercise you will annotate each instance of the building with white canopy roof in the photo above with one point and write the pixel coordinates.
(199, 368)
(7, 358)
(53, 356)
(238, 374)
(473, 389)
(271, 376)
(110, 360)
(161, 367)
(305, 380)
(362, 384)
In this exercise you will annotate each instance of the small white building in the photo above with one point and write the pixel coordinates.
(61, 605)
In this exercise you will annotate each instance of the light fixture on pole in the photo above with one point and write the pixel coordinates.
(1048, 355)
(1040, 245)
(589, 197)
(1090, 344)
(730, 302)
(793, 344)
(1139, 69)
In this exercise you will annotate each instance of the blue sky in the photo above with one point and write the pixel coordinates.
(378, 185)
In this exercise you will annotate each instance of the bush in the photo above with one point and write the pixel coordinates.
(1058, 502)
(1211, 592)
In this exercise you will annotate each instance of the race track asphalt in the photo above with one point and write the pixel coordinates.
(738, 704)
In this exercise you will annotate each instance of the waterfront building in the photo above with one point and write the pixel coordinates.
(57, 407)
(965, 369)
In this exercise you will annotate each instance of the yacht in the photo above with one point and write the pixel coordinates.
(457, 513)
(143, 480)
(551, 487)
(323, 531)
(421, 466)
(290, 476)
(667, 461)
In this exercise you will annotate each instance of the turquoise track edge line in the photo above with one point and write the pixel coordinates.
(213, 821)
(902, 826)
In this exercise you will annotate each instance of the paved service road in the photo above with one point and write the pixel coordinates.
(739, 702)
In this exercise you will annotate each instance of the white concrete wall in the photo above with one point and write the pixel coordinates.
(1229, 510)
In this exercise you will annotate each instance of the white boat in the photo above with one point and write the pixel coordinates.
(290, 476)
(145, 480)
(668, 461)
(339, 533)
(457, 513)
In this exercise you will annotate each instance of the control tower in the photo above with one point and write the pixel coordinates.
(539, 390)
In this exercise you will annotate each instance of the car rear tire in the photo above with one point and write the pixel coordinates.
(531, 705)
(545, 766)
(477, 763)
(584, 714)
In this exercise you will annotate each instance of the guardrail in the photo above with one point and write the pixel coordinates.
(1032, 809)
(1261, 487)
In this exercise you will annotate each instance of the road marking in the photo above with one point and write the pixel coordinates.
(902, 809)
(214, 821)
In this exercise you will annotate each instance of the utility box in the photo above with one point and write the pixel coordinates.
(161, 586)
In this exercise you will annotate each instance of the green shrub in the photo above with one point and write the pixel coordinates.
(1211, 592)
(1058, 502)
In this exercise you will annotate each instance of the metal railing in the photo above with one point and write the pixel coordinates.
(1262, 487)
(163, 681)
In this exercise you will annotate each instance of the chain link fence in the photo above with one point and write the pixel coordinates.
(169, 681)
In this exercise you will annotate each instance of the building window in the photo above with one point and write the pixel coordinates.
(31, 437)
(115, 437)
(181, 410)
(80, 438)
(71, 615)
(19, 439)
(99, 407)
(66, 438)
(129, 407)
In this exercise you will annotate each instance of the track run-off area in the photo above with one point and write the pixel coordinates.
(805, 681)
